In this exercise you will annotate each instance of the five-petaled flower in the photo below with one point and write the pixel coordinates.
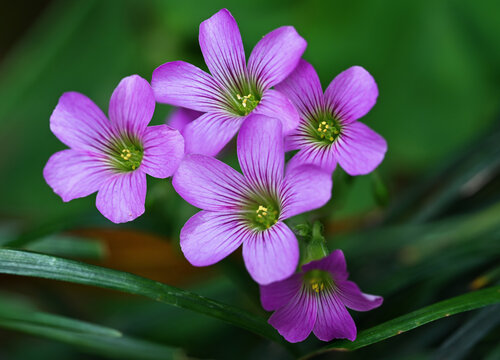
(111, 156)
(249, 209)
(316, 300)
(328, 132)
(234, 90)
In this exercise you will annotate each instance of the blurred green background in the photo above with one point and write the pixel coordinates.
(437, 65)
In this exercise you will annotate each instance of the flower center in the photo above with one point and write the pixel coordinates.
(125, 154)
(318, 280)
(262, 213)
(245, 104)
(325, 129)
(131, 157)
(266, 216)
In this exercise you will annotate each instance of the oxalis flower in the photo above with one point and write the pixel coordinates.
(316, 300)
(233, 90)
(249, 209)
(328, 132)
(111, 156)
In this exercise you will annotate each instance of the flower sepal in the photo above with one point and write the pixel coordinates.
(312, 242)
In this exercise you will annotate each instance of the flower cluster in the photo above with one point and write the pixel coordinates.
(274, 103)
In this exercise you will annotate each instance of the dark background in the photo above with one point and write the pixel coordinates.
(436, 63)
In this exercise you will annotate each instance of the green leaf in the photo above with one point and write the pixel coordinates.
(458, 345)
(109, 346)
(19, 310)
(37, 265)
(58, 322)
(397, 326)
(19, 315)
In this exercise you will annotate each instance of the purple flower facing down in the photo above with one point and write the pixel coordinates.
(111, 156)
(316, 300)
(328, 132)
(234, 89)
(180, 117)
(249, 209)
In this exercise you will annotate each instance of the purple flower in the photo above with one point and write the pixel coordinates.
(249, 209)
(180, 117)
(234, 90)
(328, 132)
(111, 156)
(316, 300)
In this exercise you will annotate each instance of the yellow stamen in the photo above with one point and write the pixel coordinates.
(317, 285)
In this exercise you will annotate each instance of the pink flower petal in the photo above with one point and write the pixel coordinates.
(295, 321)
(222, 48)
(334, 263)
(181, 84)
(352, 297)
(271, 255)
(208, 134)
(303, 88)
(163, 151)
(275, 56)
(310, 154)
(306, 188)
(132, 105)
(275, 105)
(208, 237)
(122, 197)
(260, 152)
(351, 94)
(359, 150)
(74, 174)
(180, 117)
(333, 320)
(79, 123)
(278, 294)
(209, 184)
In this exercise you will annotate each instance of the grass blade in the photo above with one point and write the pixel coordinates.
(113, 347)
(57, 322)
(458, 345)
(24, 263)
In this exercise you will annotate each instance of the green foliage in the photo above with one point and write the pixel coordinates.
(89, 337)
(50, 267)
(38, 265)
